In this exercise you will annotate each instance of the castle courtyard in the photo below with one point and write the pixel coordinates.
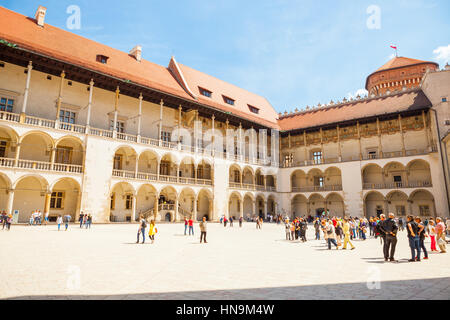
(38, 262)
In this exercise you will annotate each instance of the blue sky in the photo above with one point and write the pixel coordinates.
(294, 53)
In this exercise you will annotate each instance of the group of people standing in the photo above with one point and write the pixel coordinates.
(85, 220)
(36, 218)
(6, 220)
(296, 229)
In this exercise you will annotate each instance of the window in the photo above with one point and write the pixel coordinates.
(165, 136)
(400, 210)
(63, 155)
(424, 210)
(6, 104)
(164, 168)
(3, 145)
(253, 109)
(288, 159)
(205, 92)
(237, 176)
(372, 154)
(318, 181)
(57, 200)
(102, 58)
(228, 100)
(67, 116)
(129, 202)
(120, 126)
(444, 99)
(398, 181)
(118, 162)
(113, 201)
(317, 157)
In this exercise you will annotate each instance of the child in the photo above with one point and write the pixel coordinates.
(152, 231)
(59, 221)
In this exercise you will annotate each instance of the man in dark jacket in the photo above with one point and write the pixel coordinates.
(389, 228)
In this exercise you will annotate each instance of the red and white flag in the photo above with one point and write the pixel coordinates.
(394, 47)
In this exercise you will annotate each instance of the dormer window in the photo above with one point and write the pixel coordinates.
(253, 109)
(102, 58)
(205, 92)
(228, 100)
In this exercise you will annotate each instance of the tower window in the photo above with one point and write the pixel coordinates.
(102, 58)
(253, 109)
(205, 92)
(228, 100)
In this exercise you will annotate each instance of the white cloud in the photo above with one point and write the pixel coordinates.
(442, 54)
(360, 92)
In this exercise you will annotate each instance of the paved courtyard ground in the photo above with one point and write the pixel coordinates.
(237, 263)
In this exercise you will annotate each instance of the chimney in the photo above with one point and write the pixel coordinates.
(137, 52)
(40, 15)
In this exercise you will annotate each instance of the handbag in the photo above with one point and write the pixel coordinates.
(441, 242)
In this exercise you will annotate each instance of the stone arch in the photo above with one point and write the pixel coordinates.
(168, 165)
(298, 180)
(419, 173)
(398, 203)
(205, 204)
(317, 205)
(235, 173)
(332, 176)
(125, 158)
(187, 167)
(30, 192)
(335, 205)
(122, 200)
(248, 176)
(372, 175)
(8, 142)
(148, 162)
(187, 203)
(65, 198)
(37, 146)
(374, 204)
(146, 198)
(205, 170)
(69, 150)
(299, 205)
(395, 174)
(5, 186)
(260, 205)
(422, 203)
(234, 204)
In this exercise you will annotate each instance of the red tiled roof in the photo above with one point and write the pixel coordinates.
(398, 62)
(406, 101)
(69, 47)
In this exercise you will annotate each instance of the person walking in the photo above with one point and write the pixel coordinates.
(346, 231)
(191, 226)
(440, 235)
(412, 228)
(388, 230)
(240, 222)
(67, 219)
(89, 220)
(141, 229)
(422, 235)
(59, 221)
(152, 230)
(46, 218)
(231, 221)
(303, 228)
(4, 218)
(186, 223)
(225, 220)
(203, 228)
(80, 219)
(317, 228)
(432, 231)
(331, 235)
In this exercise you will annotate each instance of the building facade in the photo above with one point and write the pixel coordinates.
(84, 127)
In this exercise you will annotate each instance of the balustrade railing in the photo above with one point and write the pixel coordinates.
(397, 185)
(40, 165)
(337, 187)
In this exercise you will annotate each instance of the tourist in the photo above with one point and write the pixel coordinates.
(317, 228)
(4, 219)
(338, 231)
(89, 221)
(152, 230)
(440, 235)
(400, 224)
(432, 232)
(80, 219)
(46, 218)
(287, 229)
(85, 220)
(186, 224)
(191, 226)
(292, 224)
(346, 231)
(447, 222)
(59, 221)
(203, 228)
(231, 221)
(240, 222)
(8, 221)
(388, 230)
(422, 235)
(331, 235)
(414, 243)
(141, 229)
(303, 228)
(225, 220)
(67, 219)
(379, 229)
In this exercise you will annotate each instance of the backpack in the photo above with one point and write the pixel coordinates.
(144, 224)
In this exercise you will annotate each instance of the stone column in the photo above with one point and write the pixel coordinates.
(139, 118)
(265, 209)
(386, 207)
(255, 209)
(380, 147)
(155, 207)
(402, 135)
(16, 159)
(58, 103)
(88, 119)
(176, 210)
(25, 95)
(339, 143)
(116, 106)
(161, 105)
(47, 202)
(9, 205)
(136, 167)
(52, 158)
(241, 208)
(133, 210)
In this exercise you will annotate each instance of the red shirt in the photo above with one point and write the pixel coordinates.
(334, 223)
(191, 222)
(185, 222)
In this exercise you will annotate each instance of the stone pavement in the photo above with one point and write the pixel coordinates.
(106, 263)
